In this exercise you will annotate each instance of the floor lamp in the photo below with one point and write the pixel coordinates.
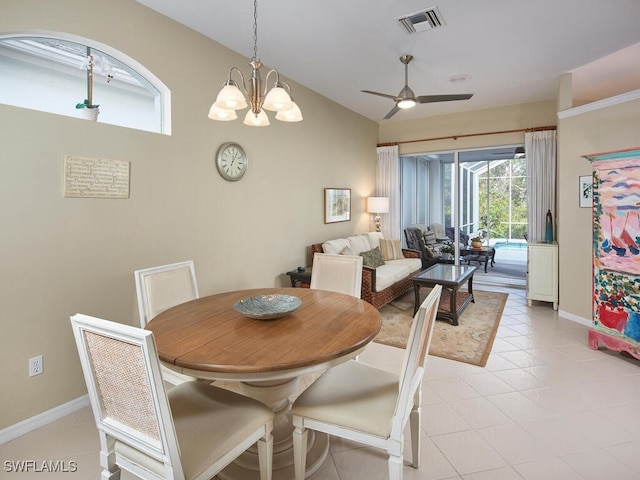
(377, 205)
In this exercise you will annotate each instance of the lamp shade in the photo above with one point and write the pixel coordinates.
(377, 205)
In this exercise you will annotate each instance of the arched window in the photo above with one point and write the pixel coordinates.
(69, 75)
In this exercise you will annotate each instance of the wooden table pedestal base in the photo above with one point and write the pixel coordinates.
(277, 394)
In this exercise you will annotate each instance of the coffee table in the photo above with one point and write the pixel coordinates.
(451, 277)
(480, 255)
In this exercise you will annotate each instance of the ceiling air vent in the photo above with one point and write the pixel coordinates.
(422, 20)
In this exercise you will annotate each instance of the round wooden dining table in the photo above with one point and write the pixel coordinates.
(208, 339)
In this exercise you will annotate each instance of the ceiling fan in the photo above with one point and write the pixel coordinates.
(407, 99)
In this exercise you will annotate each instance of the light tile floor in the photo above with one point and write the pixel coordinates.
(545, 407)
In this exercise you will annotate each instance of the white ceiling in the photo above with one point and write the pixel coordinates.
(514, 50)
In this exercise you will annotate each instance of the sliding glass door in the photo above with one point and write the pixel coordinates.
(479, 192)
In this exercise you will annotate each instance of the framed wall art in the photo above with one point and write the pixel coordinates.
(337, 205)
(585, 189)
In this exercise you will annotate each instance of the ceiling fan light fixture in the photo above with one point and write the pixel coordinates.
(408, 99)
(406, 103)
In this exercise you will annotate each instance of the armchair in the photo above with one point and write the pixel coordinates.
(441, 234)
(415, 241)
(464, 237)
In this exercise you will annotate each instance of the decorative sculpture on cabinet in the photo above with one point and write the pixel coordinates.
(616, 251)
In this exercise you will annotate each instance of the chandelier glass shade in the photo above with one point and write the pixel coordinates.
(221, 114)
(292, 115)
(230, 97)
(238, 96)
(259, 119)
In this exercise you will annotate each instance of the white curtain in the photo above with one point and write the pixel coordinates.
(540, 148)
(388, 185)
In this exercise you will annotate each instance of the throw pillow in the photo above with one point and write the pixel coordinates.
(430, 238)
(372, 258)
(391, 249)
(345, 251)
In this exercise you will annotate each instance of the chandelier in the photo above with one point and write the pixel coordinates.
(231, 98)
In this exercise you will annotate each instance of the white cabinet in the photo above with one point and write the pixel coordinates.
(542, 276)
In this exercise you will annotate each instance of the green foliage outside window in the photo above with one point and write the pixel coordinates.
(506, 186)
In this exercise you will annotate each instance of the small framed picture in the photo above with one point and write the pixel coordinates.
(337, 205)
(585, 190)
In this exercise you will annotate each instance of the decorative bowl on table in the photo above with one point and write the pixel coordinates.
(267, 307)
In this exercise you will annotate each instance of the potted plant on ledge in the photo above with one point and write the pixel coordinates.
(91, 112)
(97, 64)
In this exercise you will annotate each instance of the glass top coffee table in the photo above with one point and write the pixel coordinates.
(451, 277)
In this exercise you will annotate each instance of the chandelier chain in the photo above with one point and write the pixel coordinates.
(255, 30)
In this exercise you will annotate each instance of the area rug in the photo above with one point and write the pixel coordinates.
(469, 342)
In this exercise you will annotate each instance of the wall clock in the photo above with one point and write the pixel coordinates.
(232, 161)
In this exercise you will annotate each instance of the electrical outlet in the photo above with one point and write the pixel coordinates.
(36, 367)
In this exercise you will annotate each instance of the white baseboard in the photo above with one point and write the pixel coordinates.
(575, 318)
(42, 419)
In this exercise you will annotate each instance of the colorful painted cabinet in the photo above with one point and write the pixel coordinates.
(616, 251)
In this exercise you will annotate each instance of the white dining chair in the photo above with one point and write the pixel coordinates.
(368, 405)
(160, 288)
(190, 432)
(337, 273)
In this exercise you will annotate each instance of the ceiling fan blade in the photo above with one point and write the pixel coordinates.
(392, 112)
(392, 97)
(443, 98)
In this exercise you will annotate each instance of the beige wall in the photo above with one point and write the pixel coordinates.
(480, 121)
(605, 129)
(61, 256)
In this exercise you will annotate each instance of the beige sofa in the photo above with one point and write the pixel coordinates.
(384, 283)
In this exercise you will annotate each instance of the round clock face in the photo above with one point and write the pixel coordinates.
(232, 161)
